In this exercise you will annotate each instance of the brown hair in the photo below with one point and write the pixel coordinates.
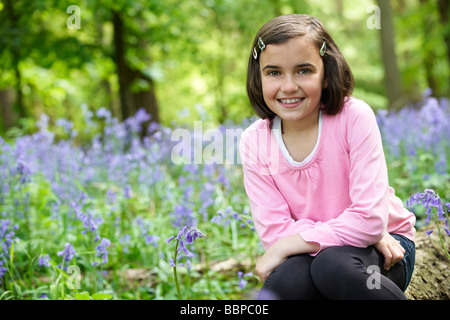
(338, 76)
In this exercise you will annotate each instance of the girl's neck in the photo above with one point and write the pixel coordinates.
(302, 126)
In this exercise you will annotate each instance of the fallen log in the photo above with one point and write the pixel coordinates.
(431, 276)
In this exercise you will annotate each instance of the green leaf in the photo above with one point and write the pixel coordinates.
(83, 296)
(101, 296)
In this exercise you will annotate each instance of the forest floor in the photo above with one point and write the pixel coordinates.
(431, 277)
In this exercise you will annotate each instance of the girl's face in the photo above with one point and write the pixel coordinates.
(292, 76)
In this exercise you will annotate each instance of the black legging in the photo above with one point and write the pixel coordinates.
(344, 272)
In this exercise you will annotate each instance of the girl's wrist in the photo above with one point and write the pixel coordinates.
(295, 244)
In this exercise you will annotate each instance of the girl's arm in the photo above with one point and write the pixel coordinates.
(389, 247)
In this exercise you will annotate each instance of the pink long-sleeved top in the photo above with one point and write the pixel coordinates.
(339, 196)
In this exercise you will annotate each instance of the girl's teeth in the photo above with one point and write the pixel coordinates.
(290, 100)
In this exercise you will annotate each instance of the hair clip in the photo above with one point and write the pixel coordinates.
(255, 54)
(261, 46)
(323, 49)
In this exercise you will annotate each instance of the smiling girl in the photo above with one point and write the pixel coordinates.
(316, 176)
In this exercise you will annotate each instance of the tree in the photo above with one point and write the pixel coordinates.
(392, 79)
(13, 24)
(444, 11)
(143, 94)
(136, 88)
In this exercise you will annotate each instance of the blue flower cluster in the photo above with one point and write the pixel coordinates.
(67, 255)
(185, 236)
(225, 217)
(7, 236)
(430, 200)
(415, 129)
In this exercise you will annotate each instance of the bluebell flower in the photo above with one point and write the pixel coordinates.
(429, 199)
(153, 240)
(125, 241)
(242, 280)
(185, 236)
(102, 250)
(127, 191)
(67, 125)
(104, 113)
(182, 247)
(67, 253)
(192, 234)
(3, 271)
(44, 261)
(6, 239)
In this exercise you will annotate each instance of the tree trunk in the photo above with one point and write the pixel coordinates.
(444, 12)
(392, 79)
(131, 101)
(429, 56)
(15, 57)
(121, 65)
(6, 110)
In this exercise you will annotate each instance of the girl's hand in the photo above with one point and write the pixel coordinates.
(280, 251)
(391, 249)
(269, 262)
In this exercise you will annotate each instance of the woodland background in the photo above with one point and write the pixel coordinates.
(84, 188)
(186, 60)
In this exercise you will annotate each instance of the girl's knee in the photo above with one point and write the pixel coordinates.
(335, 265)
(291, 280)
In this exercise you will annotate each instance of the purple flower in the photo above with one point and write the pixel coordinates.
(6, 239)
(170, 239)
(151, 240)
(67, 253)
(192, 234)
(67, 125)
(44, 261)
(185, 236)
(3, 271)
(429, 200)
(104, 113)
(102, 250)
(225, 218)
(242, 280)
(134, 122)
(182, 247)
(127, 191)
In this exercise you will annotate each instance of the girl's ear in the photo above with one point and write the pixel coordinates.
(324, 84)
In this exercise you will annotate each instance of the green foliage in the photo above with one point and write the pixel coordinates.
(196, 52)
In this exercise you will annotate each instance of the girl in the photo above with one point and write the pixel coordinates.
(316, 176)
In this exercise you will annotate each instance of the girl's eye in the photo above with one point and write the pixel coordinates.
(273, 73)
(304, 71)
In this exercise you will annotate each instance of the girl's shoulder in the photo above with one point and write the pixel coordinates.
(257, 127)
(354, 107)
(259, 124)
(355, 110)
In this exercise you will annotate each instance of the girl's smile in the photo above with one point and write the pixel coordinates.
(291, 102)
